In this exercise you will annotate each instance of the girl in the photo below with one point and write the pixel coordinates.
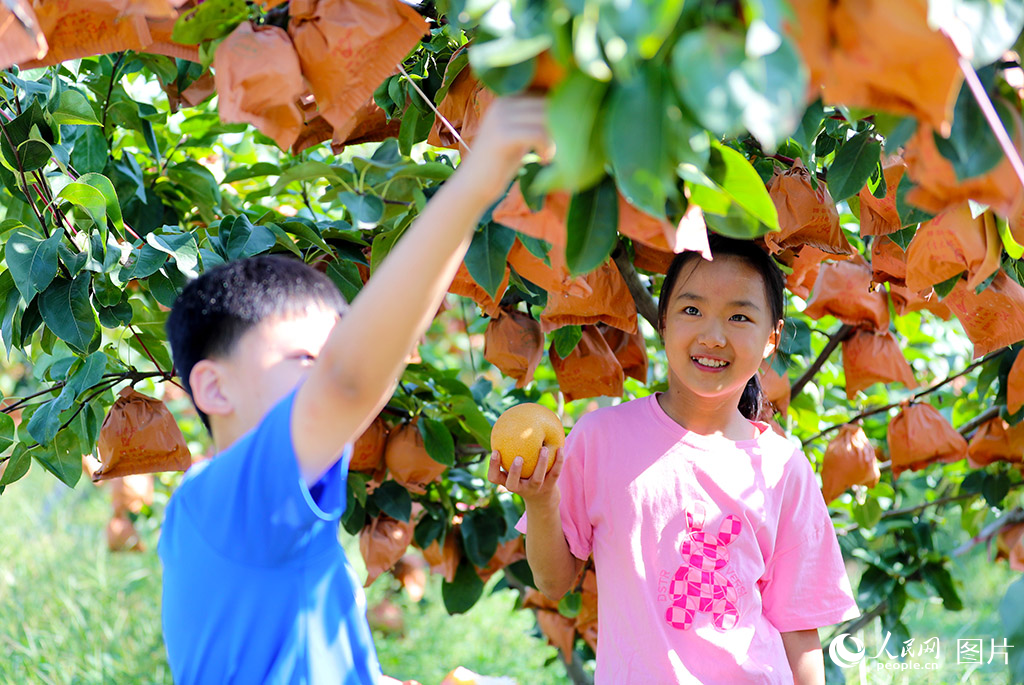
(715, 556)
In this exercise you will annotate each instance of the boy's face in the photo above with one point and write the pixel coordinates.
(269, 361)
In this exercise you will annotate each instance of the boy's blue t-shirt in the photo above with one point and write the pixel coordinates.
(256, 587)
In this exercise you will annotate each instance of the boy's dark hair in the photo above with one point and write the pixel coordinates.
(216, 309)
(752, 402)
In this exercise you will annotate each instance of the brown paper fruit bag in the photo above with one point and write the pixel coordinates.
(462, 108)
(514, 343)
(888, 261)
(807, 216)
(21, 38)
(382, 542)
(629, 348)
(879, 216)
(996, 440)
(131, 493)
(368, 451)
(877, 55)
(139, 435)
(1015, 385)
(408, 461)
(871, 357)
(776, 388)
(507, 553)
(259, 81)
(552, 275)
(609, 302)
(993, 319)
(559, 630)
(843, 290)
(444, 560)
(938, 187)
(640, 226)
(1010, 546)
(348, 47)
(463, 284)
(547, 223)
(906, 300)
(80, 28)
(806, 263)
(951, 243)
(849, 460)
(920, 435)
(650, 259)
(122, 536)
(590, 370)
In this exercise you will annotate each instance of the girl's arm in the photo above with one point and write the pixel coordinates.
(803, 649)
(554, 567)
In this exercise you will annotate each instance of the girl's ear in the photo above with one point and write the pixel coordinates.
(207, 383)
(773, 340)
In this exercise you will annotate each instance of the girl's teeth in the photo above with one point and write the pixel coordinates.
(709, 362)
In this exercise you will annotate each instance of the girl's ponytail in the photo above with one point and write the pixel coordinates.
(752, 399)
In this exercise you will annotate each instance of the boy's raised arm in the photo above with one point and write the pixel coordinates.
(356, 371)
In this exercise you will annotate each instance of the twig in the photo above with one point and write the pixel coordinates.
(983, 417)
(1008, 518)
(913, 398)
(430, 104)
(24, 180)
(834, 340)
(857, 624)
(106, 103)
(645, 304)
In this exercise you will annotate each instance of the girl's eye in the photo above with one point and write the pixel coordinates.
(742, 317)
(691, 310)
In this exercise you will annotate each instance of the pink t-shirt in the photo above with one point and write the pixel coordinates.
(705, 548)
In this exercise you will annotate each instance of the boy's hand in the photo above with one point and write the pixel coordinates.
(511, 127)
(539, 488)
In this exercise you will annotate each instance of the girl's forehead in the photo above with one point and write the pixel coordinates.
(723, 278)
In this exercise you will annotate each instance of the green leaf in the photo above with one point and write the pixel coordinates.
(345, 275)
(6, 432)
(487, 255)
(257, 170)
(415, 127)
(853, 165)
(641, 167)
(74, 108)
(908, 213)
(463, 592)
(66, 311)
(90, 151)
(393, 500)
(181, 246)
(592, 227)
(727, 90)
(570, 604)
(903, 236)
(32, 261)
(366, 210)
(304, 171)
(209, 21)
(480, 530)
(946, 287)
(144, 262)
(20, 461)
(18, 150)
(739, 183)
(429, 529)
(574, 110)
(939, 578)
(246, 240)
(106, 189)
(972, 147)
(89, 199)
(198, 184)
(470, 416)
(63, 458)
(995, 488)
(992, 25)
(438, 441)
(565, 339)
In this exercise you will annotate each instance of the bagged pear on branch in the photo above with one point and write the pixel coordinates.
(382, 542)
(590, 370)
(139, 435)
(807, 215)
(992, 319)
(408, 461)
(919, 435)
(514, 343)
(849, 460)
(951, 243)
(844, 290)
(871, 357)
(609, 302)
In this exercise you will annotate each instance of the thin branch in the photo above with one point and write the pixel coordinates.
(988, 532)
(437, 113)
(857, 624)
(913, 398)
(110, 92)
(645, 304)
(834, 340)
(977, 421)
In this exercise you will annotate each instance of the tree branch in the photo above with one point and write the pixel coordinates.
(645, 304)
(1008, 518)
(839, 336)
(913, 398)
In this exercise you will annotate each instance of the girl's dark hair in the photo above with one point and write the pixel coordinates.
(752, 402)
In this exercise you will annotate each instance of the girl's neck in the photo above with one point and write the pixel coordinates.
(707, 416)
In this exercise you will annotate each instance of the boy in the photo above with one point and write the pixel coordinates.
(256, 586)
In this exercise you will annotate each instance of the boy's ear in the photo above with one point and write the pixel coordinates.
(207, 383)
(773, 340)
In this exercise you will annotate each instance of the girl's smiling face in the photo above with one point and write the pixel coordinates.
(718, 328)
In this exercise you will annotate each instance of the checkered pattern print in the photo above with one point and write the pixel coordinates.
(698, 586)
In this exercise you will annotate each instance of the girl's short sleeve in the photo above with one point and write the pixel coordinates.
(573, 507)
(805, 585)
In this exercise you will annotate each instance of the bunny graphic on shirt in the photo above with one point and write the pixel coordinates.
(699, 584)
